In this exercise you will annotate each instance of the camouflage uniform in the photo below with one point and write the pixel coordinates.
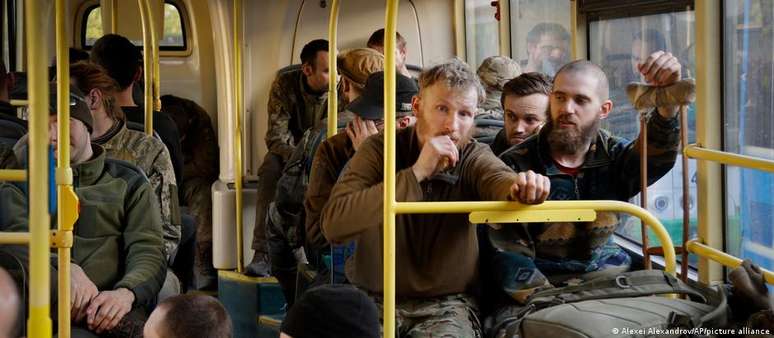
(291, 110)
(494, 72)
(152, 157)
(445, 316)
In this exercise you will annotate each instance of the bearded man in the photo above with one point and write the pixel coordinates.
(583, 162)
(436, 161)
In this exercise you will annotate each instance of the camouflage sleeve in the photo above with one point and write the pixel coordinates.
(162, 181)
(278, 136)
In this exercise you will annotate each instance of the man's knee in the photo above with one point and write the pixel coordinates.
(454, 317)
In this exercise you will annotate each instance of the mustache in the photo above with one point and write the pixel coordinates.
(567, 118)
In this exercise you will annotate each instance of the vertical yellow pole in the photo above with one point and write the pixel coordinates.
(573, 29)
(64, 174)
(459, 29)
(391, 21)
(146, 65)
(708, 129)
(39, 322)
(114, 16)
(154, 33)
(333, 97)
(238, 107)
(504, 26)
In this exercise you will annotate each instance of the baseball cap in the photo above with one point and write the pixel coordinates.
(370, 105)
(359, 63)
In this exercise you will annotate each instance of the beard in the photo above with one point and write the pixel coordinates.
(569, 141)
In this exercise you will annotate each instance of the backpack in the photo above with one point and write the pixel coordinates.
(625, 305)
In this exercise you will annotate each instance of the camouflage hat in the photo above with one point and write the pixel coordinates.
(358, 64)
(495, 71)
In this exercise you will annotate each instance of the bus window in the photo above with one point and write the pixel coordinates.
(540, 34)
(481, 31)
(618, 45)
(174, 32)
(748, 121)
(92, 28)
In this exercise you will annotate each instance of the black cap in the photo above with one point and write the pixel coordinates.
(78, 108)
(370, 105)
(332, 311)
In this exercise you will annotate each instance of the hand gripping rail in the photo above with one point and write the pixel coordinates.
(392, 207)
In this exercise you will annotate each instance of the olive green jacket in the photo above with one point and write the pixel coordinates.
(117, 238)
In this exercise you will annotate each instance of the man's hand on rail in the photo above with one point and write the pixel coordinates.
(661, 69)
(530, 188)
(438, 154)
(108, 308)
(82, 291)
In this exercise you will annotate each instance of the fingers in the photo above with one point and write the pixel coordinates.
(104, 317)
(94, 308)
(661, 68)
(530, 188)
(371, 127)
(546, 189)
(117, 318)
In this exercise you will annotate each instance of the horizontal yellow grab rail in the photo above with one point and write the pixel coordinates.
(20, 103)
(14, 237)
(14, 175)
(721, 257)
(618, 206)
(694, 151)
(522, 216)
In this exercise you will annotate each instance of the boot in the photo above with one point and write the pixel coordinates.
(260, 266)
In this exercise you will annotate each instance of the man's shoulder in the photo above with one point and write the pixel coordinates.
(287, 78)
(523, 154)
(127, 172)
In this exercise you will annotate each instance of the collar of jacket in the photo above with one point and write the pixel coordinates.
(117, 130)
(598, 154)
(87, 173)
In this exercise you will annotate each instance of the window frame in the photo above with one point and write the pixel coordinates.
(164, 51)
(599, 10)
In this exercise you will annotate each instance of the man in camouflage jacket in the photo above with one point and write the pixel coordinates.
(294, 106)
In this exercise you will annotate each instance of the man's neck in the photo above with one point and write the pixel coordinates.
(571, 160)
(124, 98)
(102, 124)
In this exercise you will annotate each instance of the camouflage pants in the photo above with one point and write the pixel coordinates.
(441, 317)
(268, 175)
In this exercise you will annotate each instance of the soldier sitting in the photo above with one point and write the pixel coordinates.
(118, 262)
(436, 161)
(583, 162)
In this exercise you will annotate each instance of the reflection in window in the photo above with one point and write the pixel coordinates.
(540, 38)
(481, 31)
(93, 25)
(618, 45)
(173, 28)
(749, 127)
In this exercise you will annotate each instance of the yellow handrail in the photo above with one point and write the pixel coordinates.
(64, 174)
(238, 106)
(20, 103)
(39, 322)
(459, 29)
(699, 153)
(333, 95)
(504, 27)
(146, 64)
(156, 89)
(14, 175)
(573, 28)
(695, 247)
(14, 238)
(391, 21)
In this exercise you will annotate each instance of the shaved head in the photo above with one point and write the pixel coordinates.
(9, 304)
(588, 68)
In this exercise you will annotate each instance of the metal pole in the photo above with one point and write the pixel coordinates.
(64, 174)
(238, 107)
(686, 194)
(146, 65)
(333, 95)
(504, 26)
(391, 21)
(154, 33)
(39, 322)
